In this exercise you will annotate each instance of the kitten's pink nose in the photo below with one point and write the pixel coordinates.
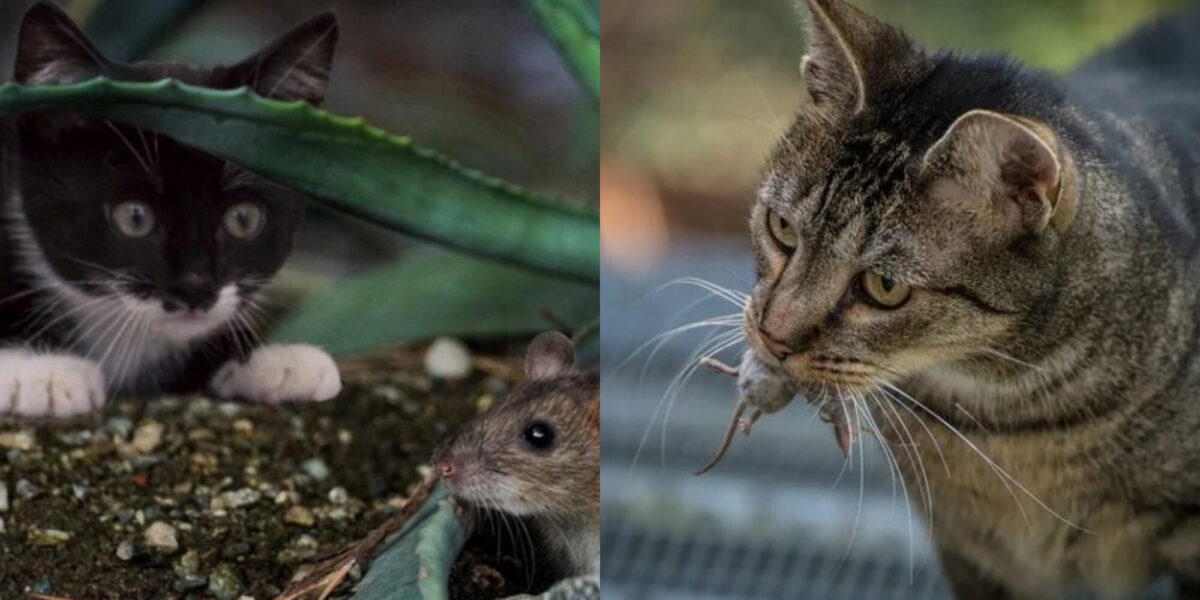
(777, 348)
(446, 467)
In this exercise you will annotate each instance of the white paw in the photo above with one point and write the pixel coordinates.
(280, 373)
(49, 385)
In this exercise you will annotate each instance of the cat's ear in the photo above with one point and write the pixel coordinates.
(852, 56)
(51, 49)
(1014, 163)
(550, 354)
(296, 66)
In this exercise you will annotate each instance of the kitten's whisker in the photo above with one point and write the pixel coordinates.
(141, 160)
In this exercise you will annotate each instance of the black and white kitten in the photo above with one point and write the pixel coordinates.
(130, 263)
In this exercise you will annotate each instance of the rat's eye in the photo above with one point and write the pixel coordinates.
(244, 221)
(782, 230)
(133, 219)
(539, 435)
(884, 290)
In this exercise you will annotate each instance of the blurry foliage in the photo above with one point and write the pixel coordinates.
(697, 91)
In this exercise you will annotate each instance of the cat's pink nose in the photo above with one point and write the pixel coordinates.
(446, 468)
(777, 348)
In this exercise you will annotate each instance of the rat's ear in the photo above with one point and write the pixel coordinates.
(1011, 170)
(51, 49)
(295, 66)
(550, 354)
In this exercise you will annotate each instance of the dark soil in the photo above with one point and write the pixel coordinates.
(498, 561)
(250, 492)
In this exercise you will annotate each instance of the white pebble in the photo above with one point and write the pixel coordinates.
(448, 358)
(161, 536)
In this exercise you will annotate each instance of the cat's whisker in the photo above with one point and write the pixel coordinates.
(731, 295)
(733, 320)
(862, 481)
(691, 364)
(714, 346)
(1005, 477)
(1013, 359)
(914, 458)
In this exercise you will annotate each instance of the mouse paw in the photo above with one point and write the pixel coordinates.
(49, 385)
(280, 373)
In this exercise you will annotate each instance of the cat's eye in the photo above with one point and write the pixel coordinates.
(133, 219)
(244, 221)
(539, 435)
(884, 290)
(782, 230)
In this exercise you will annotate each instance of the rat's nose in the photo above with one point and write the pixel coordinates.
(777, 348)
(446, 468)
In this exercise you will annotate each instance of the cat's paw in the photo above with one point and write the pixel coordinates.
(49, 385)
(280, 373)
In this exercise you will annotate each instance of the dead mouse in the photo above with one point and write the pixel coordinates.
(536, 455)
(764, 389)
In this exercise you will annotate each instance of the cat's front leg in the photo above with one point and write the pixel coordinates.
(49, 385)
(280, 373)
(967, 582)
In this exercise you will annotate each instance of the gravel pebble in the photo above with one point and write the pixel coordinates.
(125, 550)
(316, 468)
(17, 440)
(298, 515)
(119, 426)
(339, 495)
(148, 437)
(3, 497)
(236, 499)
(47, 537)
(26, 490)
(448, 358)
(188, 564)
(189, 583)
(223, 583)
(161, 537)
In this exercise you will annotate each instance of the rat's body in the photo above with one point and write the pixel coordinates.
(536, 455)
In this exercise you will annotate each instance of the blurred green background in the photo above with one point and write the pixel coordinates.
(696, 91)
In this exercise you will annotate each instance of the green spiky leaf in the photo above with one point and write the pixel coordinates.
(415, 562)
(574, 27)
(343, 162)
(429, 294)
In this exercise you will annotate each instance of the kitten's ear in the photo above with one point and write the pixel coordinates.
(51, 49)
(1012, 162)
(550, 354)
(296, 66)
(852, 56)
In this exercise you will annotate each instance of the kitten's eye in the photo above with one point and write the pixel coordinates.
(133, 219)
(781, 230)
(888, 292)
(244, 221)
(539, 435)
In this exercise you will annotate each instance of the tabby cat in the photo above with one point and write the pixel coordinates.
(130, 263)
(1003, 267)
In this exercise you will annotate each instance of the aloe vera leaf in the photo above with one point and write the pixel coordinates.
(574, 28)
(346, 164)
(427, 294)
(416, 561)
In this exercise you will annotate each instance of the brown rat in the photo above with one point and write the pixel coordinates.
(536, 455)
